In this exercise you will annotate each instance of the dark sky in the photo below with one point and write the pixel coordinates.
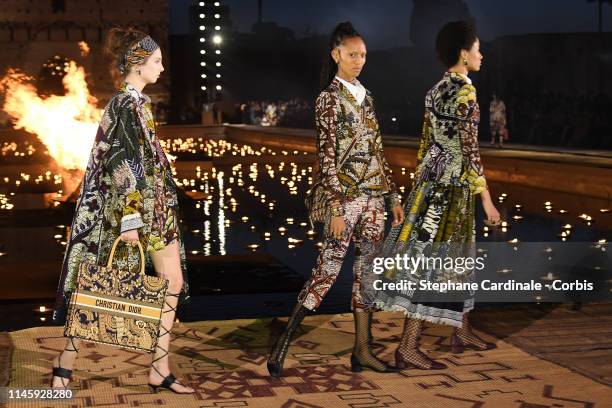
(385, 23)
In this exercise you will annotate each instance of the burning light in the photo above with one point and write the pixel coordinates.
(65, 124)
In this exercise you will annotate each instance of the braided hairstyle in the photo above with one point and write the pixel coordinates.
(118, 42)
(330, 68)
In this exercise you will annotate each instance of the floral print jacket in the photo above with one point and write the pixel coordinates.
(348, 133)
(127, 185)
(448, 152)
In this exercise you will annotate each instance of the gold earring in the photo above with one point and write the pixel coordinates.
(465, 62)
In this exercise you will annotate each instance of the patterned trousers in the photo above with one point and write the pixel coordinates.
(365, 224)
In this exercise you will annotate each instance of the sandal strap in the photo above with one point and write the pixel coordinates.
(62, 373)
(170, 307)
(168, 381)
(74, 348)
(160, 357)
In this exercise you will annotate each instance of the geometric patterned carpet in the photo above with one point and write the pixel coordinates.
(226, 362)
(578, 338)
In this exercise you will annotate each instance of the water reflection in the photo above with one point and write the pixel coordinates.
(250, 200)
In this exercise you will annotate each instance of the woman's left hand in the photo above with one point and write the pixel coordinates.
(398, 215)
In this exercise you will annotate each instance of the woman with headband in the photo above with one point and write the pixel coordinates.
(127, 192)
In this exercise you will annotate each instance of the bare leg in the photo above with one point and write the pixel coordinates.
(65, 360)
(167, 263)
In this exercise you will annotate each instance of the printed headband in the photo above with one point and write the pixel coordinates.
(137, 54)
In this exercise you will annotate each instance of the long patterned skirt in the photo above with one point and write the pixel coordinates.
(438, 224)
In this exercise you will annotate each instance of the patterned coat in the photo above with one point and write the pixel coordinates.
(128, 184)
(339, 121)
(439, 211)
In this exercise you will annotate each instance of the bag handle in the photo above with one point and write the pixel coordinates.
(112, 254)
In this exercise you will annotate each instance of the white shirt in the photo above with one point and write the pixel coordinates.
(357, 90)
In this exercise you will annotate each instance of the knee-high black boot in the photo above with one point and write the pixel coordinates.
(279, 350)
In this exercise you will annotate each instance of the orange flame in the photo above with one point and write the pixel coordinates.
(65, 124)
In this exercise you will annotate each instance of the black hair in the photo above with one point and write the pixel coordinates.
(452, 38)
(342, 31)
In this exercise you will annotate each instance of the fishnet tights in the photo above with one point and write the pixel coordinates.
(362, 342)
(409, 345)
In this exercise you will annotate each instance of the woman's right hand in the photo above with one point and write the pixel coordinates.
(337, 227)
(131, 237)
(493, 217)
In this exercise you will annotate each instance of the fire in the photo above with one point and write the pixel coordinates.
(65, 124)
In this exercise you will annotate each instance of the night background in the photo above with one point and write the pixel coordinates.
(547, 60)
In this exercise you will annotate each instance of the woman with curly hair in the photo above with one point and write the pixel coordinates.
(439, 211)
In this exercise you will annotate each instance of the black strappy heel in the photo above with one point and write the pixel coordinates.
(63, 373)
(170, 378)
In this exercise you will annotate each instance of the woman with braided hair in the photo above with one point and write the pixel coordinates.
(127, 191)
(356, 179)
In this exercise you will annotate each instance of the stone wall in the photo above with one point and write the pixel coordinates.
(32, 31)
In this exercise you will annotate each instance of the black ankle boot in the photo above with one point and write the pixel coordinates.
(279, 350)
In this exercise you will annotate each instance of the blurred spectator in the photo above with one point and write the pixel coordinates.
(293, 113)
(497, 121)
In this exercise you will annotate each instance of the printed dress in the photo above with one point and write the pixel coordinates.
(128, 184)
(439, 211)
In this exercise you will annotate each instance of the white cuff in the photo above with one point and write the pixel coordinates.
(131, 222)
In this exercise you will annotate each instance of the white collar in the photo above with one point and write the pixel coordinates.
(467, 78)
(136, 94)
(357, 90)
